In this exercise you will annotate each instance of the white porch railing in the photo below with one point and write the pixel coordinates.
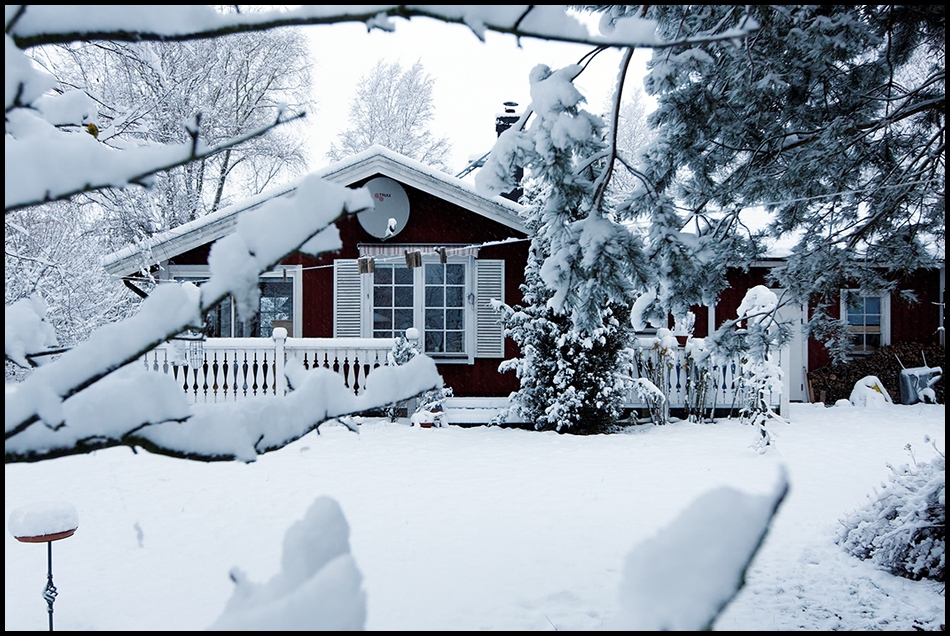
(686, 384)
(230, 369)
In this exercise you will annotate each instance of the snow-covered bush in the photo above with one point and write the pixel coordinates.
(434, 400)
(404, 349)
(701, 381)
(654, 365)
(755, 342)
(653, 397)
(901, 528)
(869, 391)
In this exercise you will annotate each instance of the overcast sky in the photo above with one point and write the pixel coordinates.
(472, 79)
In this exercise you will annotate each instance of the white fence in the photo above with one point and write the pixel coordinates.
(229, 369)
(699, 387)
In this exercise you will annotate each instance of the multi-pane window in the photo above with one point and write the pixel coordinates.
(444, 308)
(393, 300)
(277, 306)
(865, 321)
(276, 310)
(431, 298)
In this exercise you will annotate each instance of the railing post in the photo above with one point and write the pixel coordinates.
(412, 335)
(280, 382)
(785, 364)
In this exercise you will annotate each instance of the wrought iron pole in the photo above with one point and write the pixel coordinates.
(32, 524)
(50, 592)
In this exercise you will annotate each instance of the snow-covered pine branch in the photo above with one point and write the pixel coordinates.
(845, 153)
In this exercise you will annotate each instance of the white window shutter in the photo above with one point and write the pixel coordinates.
(347, 290)
(489, 332)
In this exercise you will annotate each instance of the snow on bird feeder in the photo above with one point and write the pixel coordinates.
(427, 419)
(45, 522)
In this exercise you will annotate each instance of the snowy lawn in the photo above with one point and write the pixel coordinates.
(479, 528)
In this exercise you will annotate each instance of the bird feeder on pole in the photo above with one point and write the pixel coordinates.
(45, 523)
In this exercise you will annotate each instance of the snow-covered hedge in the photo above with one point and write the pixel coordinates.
(902, 527)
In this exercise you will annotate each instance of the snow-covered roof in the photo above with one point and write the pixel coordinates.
(372, 161)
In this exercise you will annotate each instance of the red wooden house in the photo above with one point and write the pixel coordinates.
(448, 254)
(468, 250)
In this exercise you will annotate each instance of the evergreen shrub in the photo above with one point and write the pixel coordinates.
(901, 528)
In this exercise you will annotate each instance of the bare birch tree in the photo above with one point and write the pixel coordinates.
(393, 108)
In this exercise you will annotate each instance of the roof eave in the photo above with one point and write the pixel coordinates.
(380, 164)
(191, 235)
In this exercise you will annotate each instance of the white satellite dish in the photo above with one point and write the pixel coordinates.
(391, 213)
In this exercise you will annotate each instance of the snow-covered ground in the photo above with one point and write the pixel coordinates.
(472, 528)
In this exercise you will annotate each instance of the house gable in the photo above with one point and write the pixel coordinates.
(353, 171)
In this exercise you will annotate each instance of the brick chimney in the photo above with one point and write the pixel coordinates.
(503, 122)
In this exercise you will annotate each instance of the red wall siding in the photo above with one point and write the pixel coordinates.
(910, 322)
(701, 326)
(818, 355)
(917, 322)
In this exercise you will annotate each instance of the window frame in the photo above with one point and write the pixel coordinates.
(885, 332)
(293, 273)
(418, 316)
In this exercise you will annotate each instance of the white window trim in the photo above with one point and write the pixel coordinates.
(418, 315)
(294, 272)
(885, 314)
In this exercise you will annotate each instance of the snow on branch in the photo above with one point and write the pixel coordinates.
(37, 25)
(688, 573)
(83, 164)
(138, 408)
(168, 311)
(92, 396)
(26, 331)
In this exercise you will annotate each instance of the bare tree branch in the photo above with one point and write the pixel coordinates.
(140, 179)
(539, 27)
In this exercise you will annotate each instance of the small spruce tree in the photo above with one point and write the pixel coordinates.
(582, 268)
